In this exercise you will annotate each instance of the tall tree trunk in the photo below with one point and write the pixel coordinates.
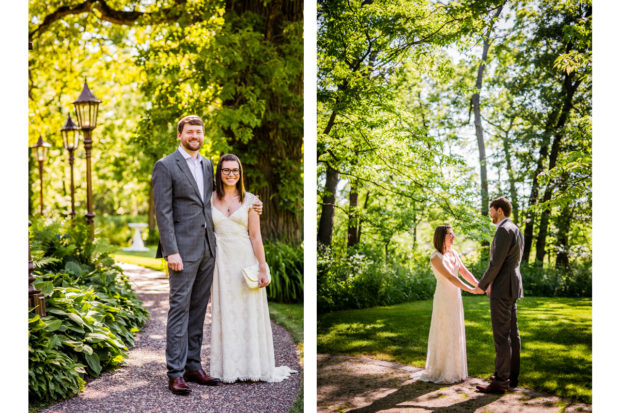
(353, 223)
(528, 233)
(280, 219)
(562, 223)
(484, 183)
(511, 176)
(328, 205)
(570, 89)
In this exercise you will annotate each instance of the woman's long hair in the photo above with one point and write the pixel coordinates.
(219, 185)
(440, 237)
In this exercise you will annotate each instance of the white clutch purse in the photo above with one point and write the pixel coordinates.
(250, 274)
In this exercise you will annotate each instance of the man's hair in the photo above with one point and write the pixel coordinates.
(502, 203)
(192, 120)
(219, 185)
(440, 237)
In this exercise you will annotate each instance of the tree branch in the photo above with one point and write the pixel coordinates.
(108, 14)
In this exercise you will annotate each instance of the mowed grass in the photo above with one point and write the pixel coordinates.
(556, 339)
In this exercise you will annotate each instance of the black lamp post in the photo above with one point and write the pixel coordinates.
(86, 108)
(40, 154)
(71, 138)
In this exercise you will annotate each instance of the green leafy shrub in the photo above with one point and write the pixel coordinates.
(547, 281)
(360, 281)
(92, 312)
(286, 263)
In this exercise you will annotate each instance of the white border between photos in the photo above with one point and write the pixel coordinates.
(310, 223)
(606, 194)
(14, 205)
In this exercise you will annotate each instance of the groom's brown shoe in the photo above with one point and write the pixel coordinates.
(178, 386)
(200, 377)
(493, 387)
(512, 382)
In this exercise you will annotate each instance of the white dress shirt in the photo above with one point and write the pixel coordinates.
(195, 167)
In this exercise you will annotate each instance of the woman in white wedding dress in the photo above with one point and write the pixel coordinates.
(446, 356)
(241, 338)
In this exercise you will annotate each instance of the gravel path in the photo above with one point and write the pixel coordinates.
(142, 386)
(354, 384)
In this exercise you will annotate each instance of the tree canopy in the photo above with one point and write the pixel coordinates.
(416, 101)
(238, 65)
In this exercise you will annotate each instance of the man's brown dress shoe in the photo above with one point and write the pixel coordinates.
(512, 382)
(178, 386)
(200, 377)
(493, 387)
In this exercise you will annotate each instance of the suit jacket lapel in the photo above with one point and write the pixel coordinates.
(182, 163)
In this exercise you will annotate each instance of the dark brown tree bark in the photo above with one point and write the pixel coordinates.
(570, 89)
(528, 233)
(278, 221)
(353, 222)
(562, 223)
(328, 200)
(328, 207)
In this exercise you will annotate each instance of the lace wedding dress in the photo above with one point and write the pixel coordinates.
(241, 339)
(446, 356)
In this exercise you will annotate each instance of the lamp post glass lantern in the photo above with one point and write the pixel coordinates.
(40, 154)
(86, 108)
(71, 137)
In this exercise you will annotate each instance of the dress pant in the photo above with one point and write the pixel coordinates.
(506, 338)
(189, 296)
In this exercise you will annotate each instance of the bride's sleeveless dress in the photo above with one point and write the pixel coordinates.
(241, 339)
(446, 356)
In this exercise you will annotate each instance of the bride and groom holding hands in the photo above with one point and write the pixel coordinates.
(209, 232)
(446, 360)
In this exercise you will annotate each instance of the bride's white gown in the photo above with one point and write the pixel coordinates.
(241, 339)
(446, 356)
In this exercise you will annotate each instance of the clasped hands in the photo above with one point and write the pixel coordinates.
(479, 290)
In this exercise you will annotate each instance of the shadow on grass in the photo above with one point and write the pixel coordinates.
(556, 335)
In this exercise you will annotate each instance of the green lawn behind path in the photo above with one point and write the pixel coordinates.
(556, 336)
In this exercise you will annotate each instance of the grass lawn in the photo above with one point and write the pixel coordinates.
(556, 339)
(142, 258)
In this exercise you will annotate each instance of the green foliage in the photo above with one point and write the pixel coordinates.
(360, 281)
(547, 281)
(52, 374)
(556, 336)
(92, 312)
(286, 263)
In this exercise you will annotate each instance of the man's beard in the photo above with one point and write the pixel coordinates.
(187, 145)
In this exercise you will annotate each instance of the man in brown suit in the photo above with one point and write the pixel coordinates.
(502, 282)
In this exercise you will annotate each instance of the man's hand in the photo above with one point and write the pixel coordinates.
(258, 206)
(488, 291)
(175, 262)
(478, 290)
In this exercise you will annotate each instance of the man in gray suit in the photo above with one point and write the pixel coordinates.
(182, 188)
(502, 282)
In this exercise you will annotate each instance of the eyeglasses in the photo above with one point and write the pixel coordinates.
(227, 171)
